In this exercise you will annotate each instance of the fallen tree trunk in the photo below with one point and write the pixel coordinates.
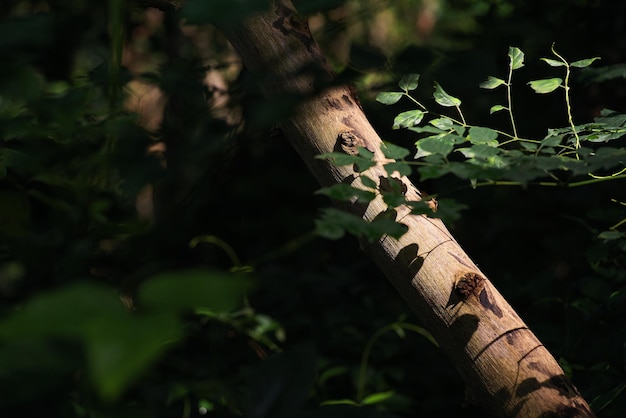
(506, 368)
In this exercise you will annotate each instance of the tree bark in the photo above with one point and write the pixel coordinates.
(507, 370)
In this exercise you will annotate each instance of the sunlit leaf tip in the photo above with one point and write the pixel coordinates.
(409, 82)
(516, 57)
(492, 83)
(546, 85)
(584, 63)
(443, 98)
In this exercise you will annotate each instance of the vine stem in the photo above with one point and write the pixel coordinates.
(510, 100)
(570, 118)
(550, 183)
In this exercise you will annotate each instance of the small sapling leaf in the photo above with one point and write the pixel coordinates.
(442, 123)
(480, 135)
(584, 63)
(610, 235)
(388, 97)
(443, 98)
(492, 83)
(393, 151)
(554, 63)
(403, 168)
(516, 57)
(368, 182)
(438, 144)
(408, 119)
(346, 193)
(497, 108)
(409, 82)
(339, 158)
(546, 85)
(365, 153)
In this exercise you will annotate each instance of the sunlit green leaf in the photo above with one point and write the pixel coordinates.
(497, 108)
(408, 119)
(479, 151)
(379, 397)
(427, 129)
(584, 63)
(516, 57)
(553, 63)
(442, 123)
(409, 82)
(439, 144)
(443, 98)
(480, 135)
(393, 151)
(545, 85)
(388, 98)
(492, 83)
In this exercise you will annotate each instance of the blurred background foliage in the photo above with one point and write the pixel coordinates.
(157, 254)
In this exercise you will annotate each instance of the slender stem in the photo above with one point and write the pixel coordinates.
(567, 97)
(414, 101)
(458, 108)
(549, 183)
(510, 101)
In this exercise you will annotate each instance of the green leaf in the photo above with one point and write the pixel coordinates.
(334, 223)
(439, 144)
(480, 135)
(610, 235)
(427, 129)
(443, 98)
(384, 226)
(347, 193)
(545, 85)
(551, 141)
(516, 57)
(379, 397)
(482, 151)
(408, 119)
(492, 83)
(340, 158)
(393, 151)
(67, 312)
(554, 63)
(188, 289)
(497, 108)
(368, 182)
(409, 82)
(443, 123)
(584, 63)
(393, 198)
(389, 98)
(118, 352)
(365, 153)
(401, 167)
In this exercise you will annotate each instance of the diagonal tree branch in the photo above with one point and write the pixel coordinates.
(506, 368)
